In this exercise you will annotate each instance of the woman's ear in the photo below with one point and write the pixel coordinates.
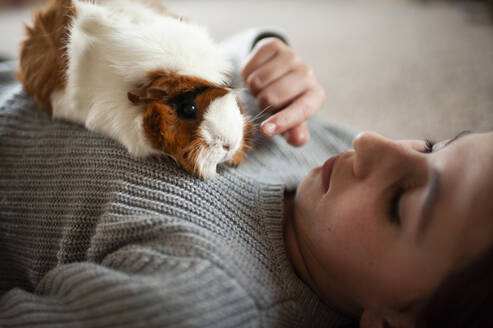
(373, 319)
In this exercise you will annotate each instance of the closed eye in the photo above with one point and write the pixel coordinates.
(399, 192)
(428, 146)
(394, 206)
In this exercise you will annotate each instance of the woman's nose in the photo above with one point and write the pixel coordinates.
(375, 153)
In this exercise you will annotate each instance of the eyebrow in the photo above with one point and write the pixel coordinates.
(458, 136)
(433, 192)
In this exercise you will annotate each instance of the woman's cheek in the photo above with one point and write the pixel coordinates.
(349, 246)
(355, 227)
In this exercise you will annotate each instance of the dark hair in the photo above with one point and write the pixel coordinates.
(464, 299)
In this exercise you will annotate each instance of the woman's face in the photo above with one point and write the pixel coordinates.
(379, 227)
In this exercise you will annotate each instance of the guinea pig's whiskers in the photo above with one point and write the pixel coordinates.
(262, 114)
(259, 142)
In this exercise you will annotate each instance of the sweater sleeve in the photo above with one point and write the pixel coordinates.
(146, 283)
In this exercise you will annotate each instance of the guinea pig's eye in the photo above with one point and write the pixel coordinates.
(187, 111)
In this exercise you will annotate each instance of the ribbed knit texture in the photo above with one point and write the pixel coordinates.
(90, 237)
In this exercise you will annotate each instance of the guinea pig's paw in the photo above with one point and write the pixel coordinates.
(231, 163)
(202, 167)
(208, 172)
(237, 158)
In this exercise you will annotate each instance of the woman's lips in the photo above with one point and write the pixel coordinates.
(327, 169)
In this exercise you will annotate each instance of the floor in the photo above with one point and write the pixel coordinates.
(401, 68)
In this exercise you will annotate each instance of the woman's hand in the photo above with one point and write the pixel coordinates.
(284, 85)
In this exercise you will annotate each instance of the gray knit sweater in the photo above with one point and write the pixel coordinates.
(90, 237)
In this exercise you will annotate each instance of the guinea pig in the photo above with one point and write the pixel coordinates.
(142, 76)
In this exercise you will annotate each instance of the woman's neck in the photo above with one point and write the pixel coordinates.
(291, 242)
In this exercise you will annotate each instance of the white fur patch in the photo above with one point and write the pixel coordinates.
(207, 162)
(112, 48)
(223, 125)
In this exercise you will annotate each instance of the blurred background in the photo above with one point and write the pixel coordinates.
(403, 68)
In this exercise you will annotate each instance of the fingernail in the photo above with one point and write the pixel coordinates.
(268, 128)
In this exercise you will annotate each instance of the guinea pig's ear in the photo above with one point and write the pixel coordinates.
(146, 93)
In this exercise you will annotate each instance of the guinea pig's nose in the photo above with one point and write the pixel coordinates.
(226, 147)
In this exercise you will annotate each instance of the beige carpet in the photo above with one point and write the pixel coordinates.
(397, 67)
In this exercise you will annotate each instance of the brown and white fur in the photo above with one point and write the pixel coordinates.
(130, 71)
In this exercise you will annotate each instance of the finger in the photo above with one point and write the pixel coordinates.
(286, 89)
(296, 113)
(264, 50)
(271, 71)
(297, 136)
